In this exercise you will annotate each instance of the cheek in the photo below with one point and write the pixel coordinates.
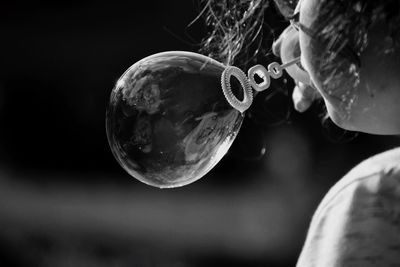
(334, 77)
(379, 88)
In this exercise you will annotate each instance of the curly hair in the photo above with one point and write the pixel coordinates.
(234, 27)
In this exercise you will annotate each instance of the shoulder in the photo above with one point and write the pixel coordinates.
(378, 175)
(358, 221)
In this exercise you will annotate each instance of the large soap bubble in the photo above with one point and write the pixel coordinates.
(168, 122)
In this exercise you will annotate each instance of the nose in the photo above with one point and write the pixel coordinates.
(276, 47)
(287, 47)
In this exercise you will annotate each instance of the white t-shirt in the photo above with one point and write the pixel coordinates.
(358, 221)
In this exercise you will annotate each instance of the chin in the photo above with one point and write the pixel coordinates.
(364, 123)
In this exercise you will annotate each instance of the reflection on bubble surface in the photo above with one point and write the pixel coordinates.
(168, 122)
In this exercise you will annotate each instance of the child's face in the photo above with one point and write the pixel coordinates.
(362, 97)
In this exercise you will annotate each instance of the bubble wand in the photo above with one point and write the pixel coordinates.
(274, 71)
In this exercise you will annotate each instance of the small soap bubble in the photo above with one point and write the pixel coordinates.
(168, 122)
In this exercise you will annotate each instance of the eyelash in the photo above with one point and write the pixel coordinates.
(347, 51)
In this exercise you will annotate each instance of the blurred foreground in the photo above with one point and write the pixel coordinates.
(107, 225)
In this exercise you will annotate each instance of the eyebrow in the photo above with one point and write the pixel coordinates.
(346, 51)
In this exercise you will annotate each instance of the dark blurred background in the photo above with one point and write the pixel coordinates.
(64, 200)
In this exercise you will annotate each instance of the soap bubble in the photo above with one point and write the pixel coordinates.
(168, 122)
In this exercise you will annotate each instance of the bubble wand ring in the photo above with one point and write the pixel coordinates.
(275, 71)
(227, 90)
